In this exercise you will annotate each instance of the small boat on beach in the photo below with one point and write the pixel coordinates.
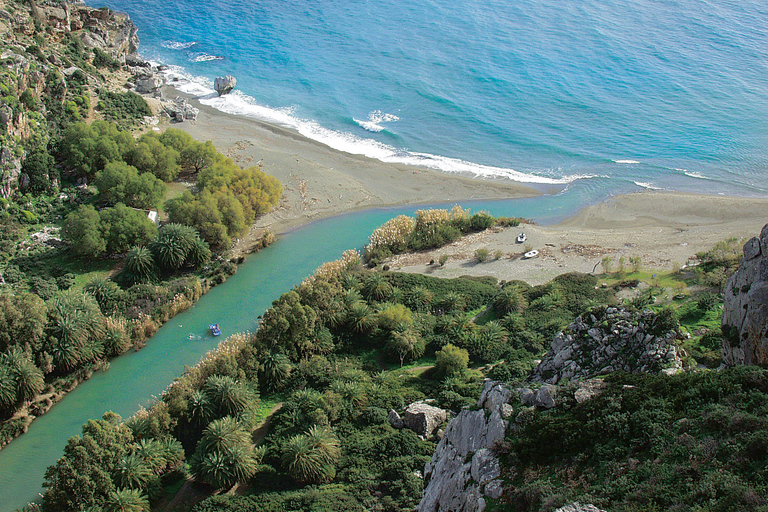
(521, 238)
(215, 329)
(530, 254)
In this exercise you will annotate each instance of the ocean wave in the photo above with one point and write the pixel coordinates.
(626, 162)
(694, 174)
(205, 57)
(649, 186)
(177, 45)
(237, 103)
(375, 118)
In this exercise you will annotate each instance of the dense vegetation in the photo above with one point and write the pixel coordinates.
(332, 351)
(74, 198)
(694, 441)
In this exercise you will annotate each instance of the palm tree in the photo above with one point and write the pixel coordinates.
(105, 291)
(152, 453)
(7, 388)
(350, 281)
(214, 469)
(420, 298)
(228, 396)
(76, 328)
(199, 408)
(198, 253)
(275, 369)
(222, 434)
(453, 301)
(376, 287)
(173, 453)
(132, 472)
(29, 380)
(173, 244)
(224, 454)
(310, 458)
(509, 300)
(126, 500)
(361, 317)
(139, 266)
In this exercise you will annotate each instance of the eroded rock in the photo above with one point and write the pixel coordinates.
(745, 313)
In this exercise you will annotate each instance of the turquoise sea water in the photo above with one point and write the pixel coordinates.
(607, 96)
(617, 95)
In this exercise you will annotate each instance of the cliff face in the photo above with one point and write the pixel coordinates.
(745, 314)
(111, 32)
(36, 77)
(463, 468)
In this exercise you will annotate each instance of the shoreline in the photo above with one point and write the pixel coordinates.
(664, 229)
(321, 182)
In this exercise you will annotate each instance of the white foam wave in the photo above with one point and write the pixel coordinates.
(649, 186)
(178, 45)
(375, 119)
(626, 162)
(694, 174)
(205, 57)
(237, 103)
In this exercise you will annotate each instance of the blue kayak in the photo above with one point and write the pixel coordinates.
(215, 329)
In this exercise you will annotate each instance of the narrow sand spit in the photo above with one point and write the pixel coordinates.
(663, 229)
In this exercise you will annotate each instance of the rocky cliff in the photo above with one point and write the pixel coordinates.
(745, 314)
(49, 50)
(111, 32)
(464, 468)
(609, 339)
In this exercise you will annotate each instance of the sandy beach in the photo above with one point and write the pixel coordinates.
(664, 229)
(321, 182)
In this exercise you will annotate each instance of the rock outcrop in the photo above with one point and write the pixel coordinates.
(111, 32)
(423, 418)
(464, 469)
(745, 313)
(224, 84)
(578, 507)
(10, 170)
(180, 110)
(610, 339)
(147, 84)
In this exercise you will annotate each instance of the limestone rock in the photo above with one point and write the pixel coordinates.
(745, 313)
(111, 32)
(423, 418)
(606, 340)
(545, 396)
(589, 389)
(464, 459)
(10, 170)
(180, 109)
(577, 507)
(133, 59)
(494, 489)
(394, 419)
(224, 84)
(148, 84)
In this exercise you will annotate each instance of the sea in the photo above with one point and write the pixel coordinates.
(601, 97)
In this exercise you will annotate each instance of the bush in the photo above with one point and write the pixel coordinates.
(481, 255)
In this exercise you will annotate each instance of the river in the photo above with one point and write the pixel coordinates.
(133, 379)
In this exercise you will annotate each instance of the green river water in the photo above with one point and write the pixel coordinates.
(133, 379)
